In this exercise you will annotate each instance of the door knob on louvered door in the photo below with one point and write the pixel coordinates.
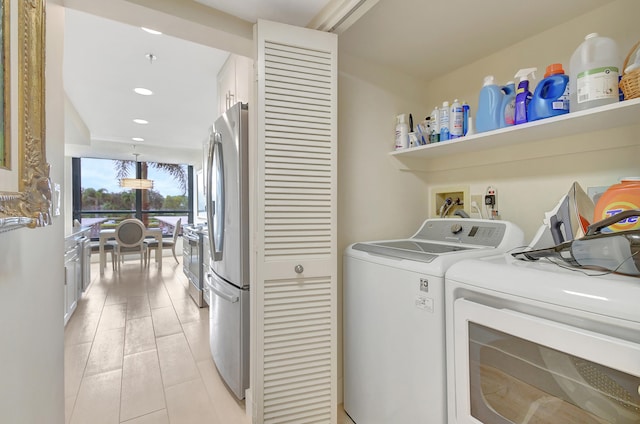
(299, 269)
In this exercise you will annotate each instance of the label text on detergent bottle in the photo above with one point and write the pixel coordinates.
(562, 102)
(630, 223)
(597, 84)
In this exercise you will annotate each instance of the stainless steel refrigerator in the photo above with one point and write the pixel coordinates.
(227, 196)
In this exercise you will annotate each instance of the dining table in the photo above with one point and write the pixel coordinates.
(168, 223)
(108, 234)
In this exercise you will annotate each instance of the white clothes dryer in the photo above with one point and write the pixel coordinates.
(394, 352)
(531, 342)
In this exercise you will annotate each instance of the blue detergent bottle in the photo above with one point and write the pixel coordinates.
(489, 112)
(508, 106)
(551, 96)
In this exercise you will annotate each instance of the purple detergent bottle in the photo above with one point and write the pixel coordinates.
(523, 95)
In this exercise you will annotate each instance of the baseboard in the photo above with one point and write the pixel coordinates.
(248, 402)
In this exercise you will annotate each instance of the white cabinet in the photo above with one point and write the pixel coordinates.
(84, 251)
(72, 277)
(77, 269)
(294, 291)
(234, 82)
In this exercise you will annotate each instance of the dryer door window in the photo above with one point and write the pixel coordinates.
(515, 368)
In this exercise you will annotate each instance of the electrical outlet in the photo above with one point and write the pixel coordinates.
(476, 207)
(491, 202)
(491, 197)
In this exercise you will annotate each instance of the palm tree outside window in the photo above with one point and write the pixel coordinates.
(99, 201)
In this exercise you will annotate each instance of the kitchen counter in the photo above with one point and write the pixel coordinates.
(78, 232)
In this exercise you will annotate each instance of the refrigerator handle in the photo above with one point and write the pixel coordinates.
(209, 191)
(215, 208)
(225, 296)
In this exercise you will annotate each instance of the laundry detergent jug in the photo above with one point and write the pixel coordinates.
(593, 72)
(620, 197)
(489, 113)
(551, 96)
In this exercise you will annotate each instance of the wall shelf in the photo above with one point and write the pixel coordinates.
(596, 119)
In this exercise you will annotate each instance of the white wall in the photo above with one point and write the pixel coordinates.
(75, 133)
(31, 273)
(375, 200)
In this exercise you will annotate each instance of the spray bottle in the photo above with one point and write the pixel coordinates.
(523, 95)
(402, 132)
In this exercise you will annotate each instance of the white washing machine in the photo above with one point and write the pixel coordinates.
(530, 342)
(394, 352)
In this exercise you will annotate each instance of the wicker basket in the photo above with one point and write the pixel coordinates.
(630, 82)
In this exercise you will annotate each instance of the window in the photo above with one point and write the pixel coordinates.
(99, 202)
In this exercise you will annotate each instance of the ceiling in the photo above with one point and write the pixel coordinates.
(293, 12)
(104, 60)
(427, 39)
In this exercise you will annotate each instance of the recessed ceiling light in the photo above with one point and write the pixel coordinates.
(143, 91)
(137, 139)
(151, 31)
(140, 121)
(151, 57)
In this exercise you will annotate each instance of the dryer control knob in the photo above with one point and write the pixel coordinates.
(456, 228)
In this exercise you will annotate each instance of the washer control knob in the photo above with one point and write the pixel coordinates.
(456, 228)
(299, 269)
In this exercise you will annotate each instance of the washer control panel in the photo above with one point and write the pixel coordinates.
(479, 232)
(456, 228)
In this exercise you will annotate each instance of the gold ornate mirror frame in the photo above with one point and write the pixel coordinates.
(31, 205)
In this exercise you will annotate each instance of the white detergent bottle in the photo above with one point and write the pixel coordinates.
(434, 135)
(456, 119)
(402, 132)
(444, 121)
(593, 73)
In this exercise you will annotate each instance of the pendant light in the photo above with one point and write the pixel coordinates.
(136, 183)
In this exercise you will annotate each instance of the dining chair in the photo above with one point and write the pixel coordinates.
(129, 236)
(166, 244)
(109, 247)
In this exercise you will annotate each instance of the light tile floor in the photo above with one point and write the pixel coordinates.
(137, 352)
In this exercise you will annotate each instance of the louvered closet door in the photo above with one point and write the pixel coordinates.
(295, 326)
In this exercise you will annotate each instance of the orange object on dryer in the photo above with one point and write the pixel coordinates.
(620, 197)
